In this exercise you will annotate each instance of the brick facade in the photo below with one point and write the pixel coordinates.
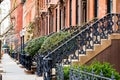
(65, 13)
(16, 19)
(28, 16)
(53, 15)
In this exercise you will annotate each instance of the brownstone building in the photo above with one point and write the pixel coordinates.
(57, 14)
(16, 10)
(53, 15)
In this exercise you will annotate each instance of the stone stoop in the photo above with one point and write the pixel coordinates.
(105, 43)
(28, 71)
(21, 66)
(1, 70)
(38, 78)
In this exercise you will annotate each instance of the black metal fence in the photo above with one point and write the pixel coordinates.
(14, 55)
(25, 60)
(78, 74)
(79, 40)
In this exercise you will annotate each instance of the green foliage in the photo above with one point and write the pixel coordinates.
(53, 40)
(106, 68)
(11, 50)
(66, 72)
(34, 45)
(30, 27)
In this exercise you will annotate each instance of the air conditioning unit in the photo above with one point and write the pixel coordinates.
(23, 1)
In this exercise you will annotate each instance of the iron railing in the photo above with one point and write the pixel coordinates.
(80, 41)
(79, 74)
(25, 60)
(39, 58)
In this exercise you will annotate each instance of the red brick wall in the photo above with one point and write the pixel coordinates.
(102, 8)
(90, 9)
(29, 13)
(17, 14)
(118, 6)
(111, 55)
(19, 18)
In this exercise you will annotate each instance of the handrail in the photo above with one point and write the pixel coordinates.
(70, 38)
(80, 40)
(91, 74)
(76, 35)
(81, 74)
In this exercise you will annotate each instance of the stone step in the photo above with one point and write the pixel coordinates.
(38, 78)
(1, 70)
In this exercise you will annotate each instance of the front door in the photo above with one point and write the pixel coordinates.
(84, 11)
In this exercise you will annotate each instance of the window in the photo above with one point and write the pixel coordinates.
(51, 23)
(60, 20)
(70, 12)
(43, 26)
(56, 20)
(109, 6)
(95, 8)
(46, 25)
(77, 11)
(84, 10)
(64, 16)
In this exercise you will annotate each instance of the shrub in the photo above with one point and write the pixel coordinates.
(66, 72)
(106, 68)
(34, 45)
(11, 51)
(53, 40)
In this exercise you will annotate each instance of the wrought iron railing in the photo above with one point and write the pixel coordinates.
(84, 75)
(25, 60)
(14, 55)
(74, 30)
(79, 74)
(79, 41)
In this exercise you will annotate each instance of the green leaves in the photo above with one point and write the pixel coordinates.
(34, 45)
(31, 27)
(107, 69)
(43, 44)
(53, 40)
(66, 72)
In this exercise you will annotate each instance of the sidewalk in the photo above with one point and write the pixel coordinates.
(12, 71)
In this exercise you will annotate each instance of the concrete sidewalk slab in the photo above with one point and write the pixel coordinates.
(12, 71)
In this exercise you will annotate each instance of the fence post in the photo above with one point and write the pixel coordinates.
(112, 76)
(59, 72)
(39, 65)
(47, 68)
(0, 76)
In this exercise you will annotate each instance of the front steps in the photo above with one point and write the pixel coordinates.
(97, 49)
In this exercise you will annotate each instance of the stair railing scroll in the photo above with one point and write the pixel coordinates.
(81, 41)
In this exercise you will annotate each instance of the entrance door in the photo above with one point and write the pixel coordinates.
(84, 11)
